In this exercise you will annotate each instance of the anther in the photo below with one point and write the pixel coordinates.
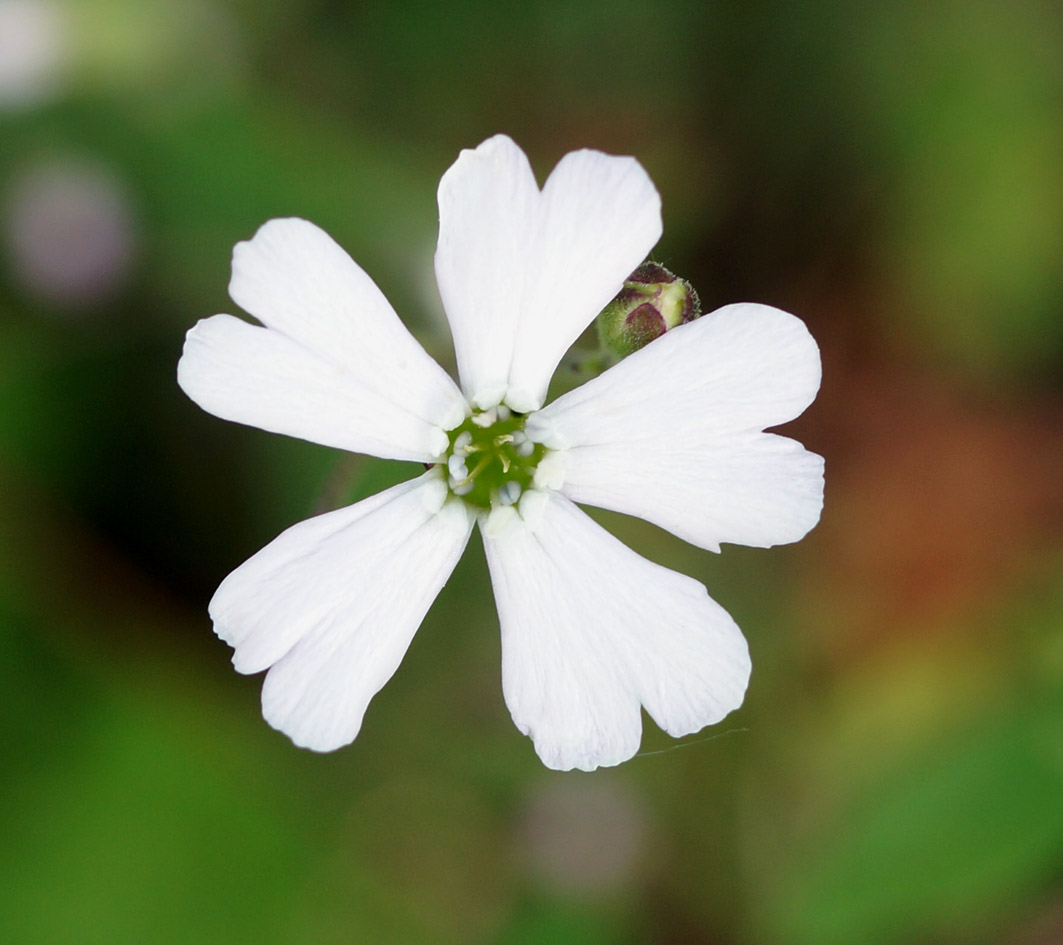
(457, 468)
(522, 446)
(509, 493)
(459, 488)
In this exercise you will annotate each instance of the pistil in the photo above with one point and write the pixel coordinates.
(504, 458)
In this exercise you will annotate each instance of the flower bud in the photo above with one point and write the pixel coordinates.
(652, 301)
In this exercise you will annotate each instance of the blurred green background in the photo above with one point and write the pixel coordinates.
(890, 171)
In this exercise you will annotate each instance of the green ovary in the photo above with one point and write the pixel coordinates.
(493, 456)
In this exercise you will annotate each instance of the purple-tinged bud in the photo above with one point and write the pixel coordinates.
(652, 301)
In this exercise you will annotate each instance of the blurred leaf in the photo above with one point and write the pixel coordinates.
(972, 125)
(542, 921)
(952, 843)
(142, 832)
(945, 820)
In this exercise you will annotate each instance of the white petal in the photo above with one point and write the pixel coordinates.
(295, 279)
(599, 218)
(590, 630)
(673, 432)
(488, 213)
(263, 378)
(333, 602)
(522, 273)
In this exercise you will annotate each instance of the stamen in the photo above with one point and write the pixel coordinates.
(478, 468)
(522, 446)
(457, 468)
(509, 493)
(459, 488)
(462, 443)
(503, 463)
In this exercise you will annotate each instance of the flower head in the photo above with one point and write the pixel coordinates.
(652, 301)
(591, 631)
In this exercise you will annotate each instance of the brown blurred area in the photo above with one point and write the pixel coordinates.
(942, 497)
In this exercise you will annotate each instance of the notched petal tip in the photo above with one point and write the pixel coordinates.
(578, 659)
(331, 605)
(674, 433)
(522, 271)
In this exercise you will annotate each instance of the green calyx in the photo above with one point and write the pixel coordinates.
(652, 301)
(488, 454)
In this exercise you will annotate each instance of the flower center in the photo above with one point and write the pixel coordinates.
(490, 460)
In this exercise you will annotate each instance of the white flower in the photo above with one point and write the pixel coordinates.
(591, 631)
